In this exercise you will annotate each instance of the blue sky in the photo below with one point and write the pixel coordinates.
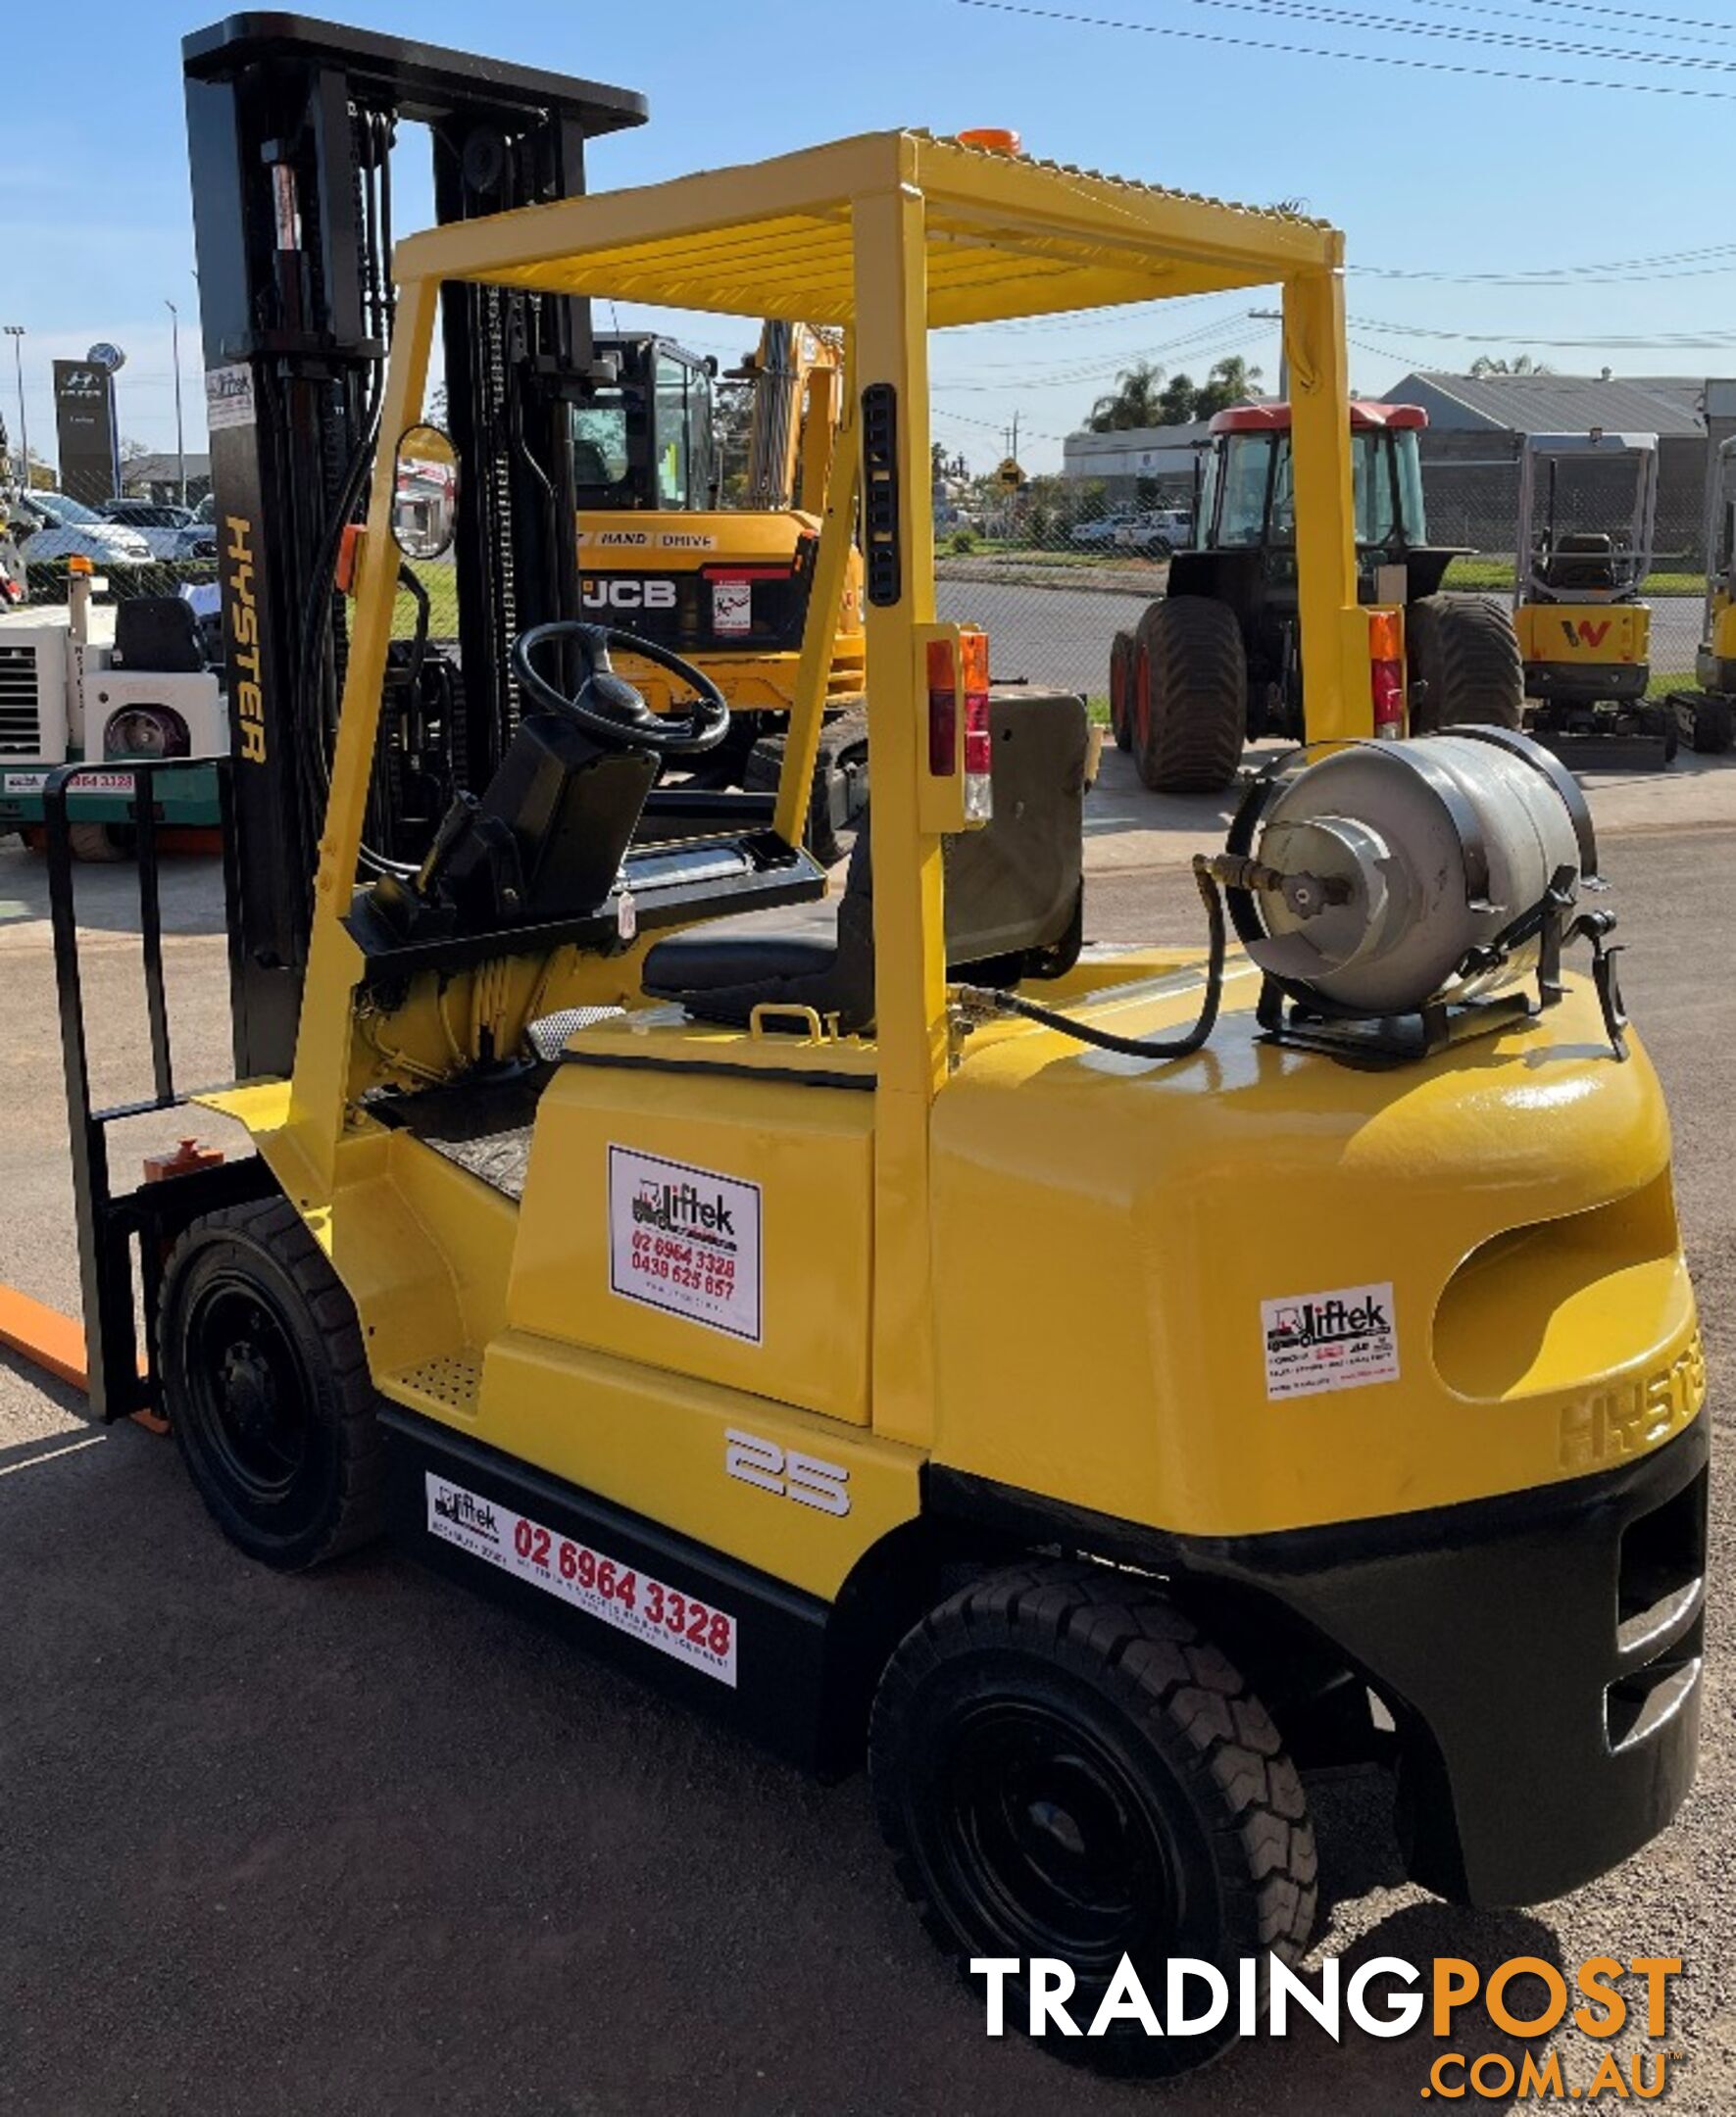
(1427, 171)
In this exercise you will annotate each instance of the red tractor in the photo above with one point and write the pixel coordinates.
(1217, 661)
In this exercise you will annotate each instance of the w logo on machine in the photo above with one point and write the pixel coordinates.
(1582, 632)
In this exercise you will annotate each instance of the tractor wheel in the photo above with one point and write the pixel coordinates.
(1195, 708)
(1464, 664)
(266, 1387)
(1064, 1767)
(1711, 723)
(1121, 676)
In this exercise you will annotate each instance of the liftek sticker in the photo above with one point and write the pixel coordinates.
(732, 606)
(686, 1240)
(1343, 1340)
(649, 1611)
(229, 397)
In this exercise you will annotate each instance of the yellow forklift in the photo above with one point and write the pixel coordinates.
(1094, 1386)
(1588, 506)
(1705, 716)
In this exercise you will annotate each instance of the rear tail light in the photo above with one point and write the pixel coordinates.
(1386, 672)
(979, 799)
(946, 677)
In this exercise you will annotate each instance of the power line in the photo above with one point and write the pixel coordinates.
(1453, 68)
(1332, 17)
(1656, 28)
(1663, 342)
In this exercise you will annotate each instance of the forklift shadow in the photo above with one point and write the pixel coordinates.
(106, 892)
(1305, 2074)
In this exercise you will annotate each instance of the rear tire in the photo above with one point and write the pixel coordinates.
(1064, 1767)
(1712, 724)
(1464, 664)
(1121, 679)
(842, 755)
(1195, 718)
(266, 1387)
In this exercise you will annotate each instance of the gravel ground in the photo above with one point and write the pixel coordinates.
(360, 1841)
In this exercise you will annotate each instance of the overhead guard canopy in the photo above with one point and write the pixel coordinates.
(1005, 237)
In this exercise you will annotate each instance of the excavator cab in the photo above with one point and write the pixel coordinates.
(643, 432)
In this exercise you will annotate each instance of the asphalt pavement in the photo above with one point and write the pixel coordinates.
(1061, 635)
(358, 1842)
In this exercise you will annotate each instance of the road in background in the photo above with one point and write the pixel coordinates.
(1061, 635)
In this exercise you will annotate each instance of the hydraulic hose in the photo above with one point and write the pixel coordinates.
(988, 1000)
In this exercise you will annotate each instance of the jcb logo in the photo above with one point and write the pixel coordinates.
(1582, 632)
(630, 595)
(806, 1479)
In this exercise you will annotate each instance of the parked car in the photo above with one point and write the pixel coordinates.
(1098, 533)
(48, 526)
(171, 532)
(1157, 532)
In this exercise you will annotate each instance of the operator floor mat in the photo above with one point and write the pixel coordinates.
(484, 1125)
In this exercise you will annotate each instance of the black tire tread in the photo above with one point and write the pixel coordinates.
(1162, 1669)
(274, 1226)
(1713, 724)
(1467, 652)
(1197, 720)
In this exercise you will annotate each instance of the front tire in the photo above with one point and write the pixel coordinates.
(1064, 1767)
(266, 1387)
(1193, 719)
(1464, 664)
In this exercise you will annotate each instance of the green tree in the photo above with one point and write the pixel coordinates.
(1133, 402)
(1521, 363)
(1231, 382)
(1175, 405)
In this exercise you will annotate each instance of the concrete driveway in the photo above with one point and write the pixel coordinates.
(356, 1842)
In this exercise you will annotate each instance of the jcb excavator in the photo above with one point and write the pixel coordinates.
(724, 585)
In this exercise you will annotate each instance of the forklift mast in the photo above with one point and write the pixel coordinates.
(290, 123)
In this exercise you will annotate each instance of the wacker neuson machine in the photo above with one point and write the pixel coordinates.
(1095, 1385)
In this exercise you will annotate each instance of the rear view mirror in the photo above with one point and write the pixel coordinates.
(424, 495)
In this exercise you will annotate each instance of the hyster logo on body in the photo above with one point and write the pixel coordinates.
(243, 608)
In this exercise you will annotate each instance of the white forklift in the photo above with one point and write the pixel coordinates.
(117, 682)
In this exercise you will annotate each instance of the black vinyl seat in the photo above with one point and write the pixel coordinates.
(1013, 894)
(158, 633)
(1582, 560)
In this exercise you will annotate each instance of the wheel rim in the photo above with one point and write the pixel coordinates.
(253, 1398)
(1043, 1839)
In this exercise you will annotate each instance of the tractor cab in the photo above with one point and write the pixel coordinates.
(1247, 487)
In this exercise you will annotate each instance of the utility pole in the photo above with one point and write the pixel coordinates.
(180, 439)
(16, 332)
(1276, 316)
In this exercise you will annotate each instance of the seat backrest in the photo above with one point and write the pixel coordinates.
(159, 634)
(1012, 887)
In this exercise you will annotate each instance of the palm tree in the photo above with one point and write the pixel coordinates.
(1231, 382)
(1133, 403)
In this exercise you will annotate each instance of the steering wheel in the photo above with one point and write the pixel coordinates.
(609, 707)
